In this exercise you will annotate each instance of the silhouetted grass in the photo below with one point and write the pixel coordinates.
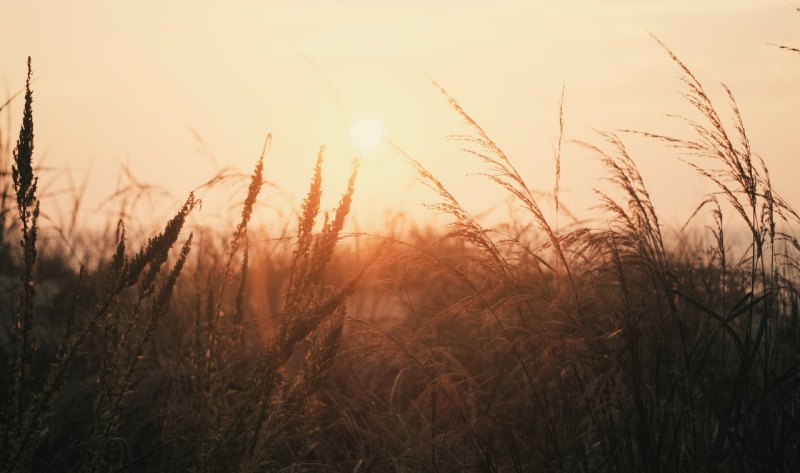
(540, 344)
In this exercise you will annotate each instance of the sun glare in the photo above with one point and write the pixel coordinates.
(366, 134)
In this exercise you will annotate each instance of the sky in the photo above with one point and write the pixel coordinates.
(177, 91)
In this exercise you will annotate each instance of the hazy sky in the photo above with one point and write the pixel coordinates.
(128, 82)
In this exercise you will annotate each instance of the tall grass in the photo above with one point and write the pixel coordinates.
(637, 358)
(540, 344)
(109, 337)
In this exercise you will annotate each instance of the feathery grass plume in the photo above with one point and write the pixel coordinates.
(741, 176)
(219, 351)
(125, 338)
(463, 226)
(504, 173)
(218, 342)
(503, 291)
(637, 220)
(324, 243)
(247, 423)
(158, 306)
(146, 263)
(309, 212)
(513, 294)
(670, 337)
(633, 255)
(237, 243)
(736, 174)
(509, 293)
(25, 184)
(557, 159)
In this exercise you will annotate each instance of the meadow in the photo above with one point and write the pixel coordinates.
(542, 343)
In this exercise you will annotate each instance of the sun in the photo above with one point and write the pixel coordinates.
(366, 134)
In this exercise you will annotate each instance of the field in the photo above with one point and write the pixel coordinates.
(540, 343)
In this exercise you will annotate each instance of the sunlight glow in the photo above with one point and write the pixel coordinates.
(366, 134)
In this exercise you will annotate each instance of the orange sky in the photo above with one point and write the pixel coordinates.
(127, 82)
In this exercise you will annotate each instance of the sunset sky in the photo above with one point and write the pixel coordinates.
(131, 83)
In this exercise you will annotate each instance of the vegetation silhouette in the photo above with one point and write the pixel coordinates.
(539, 344)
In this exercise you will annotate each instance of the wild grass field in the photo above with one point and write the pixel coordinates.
(542, 343)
